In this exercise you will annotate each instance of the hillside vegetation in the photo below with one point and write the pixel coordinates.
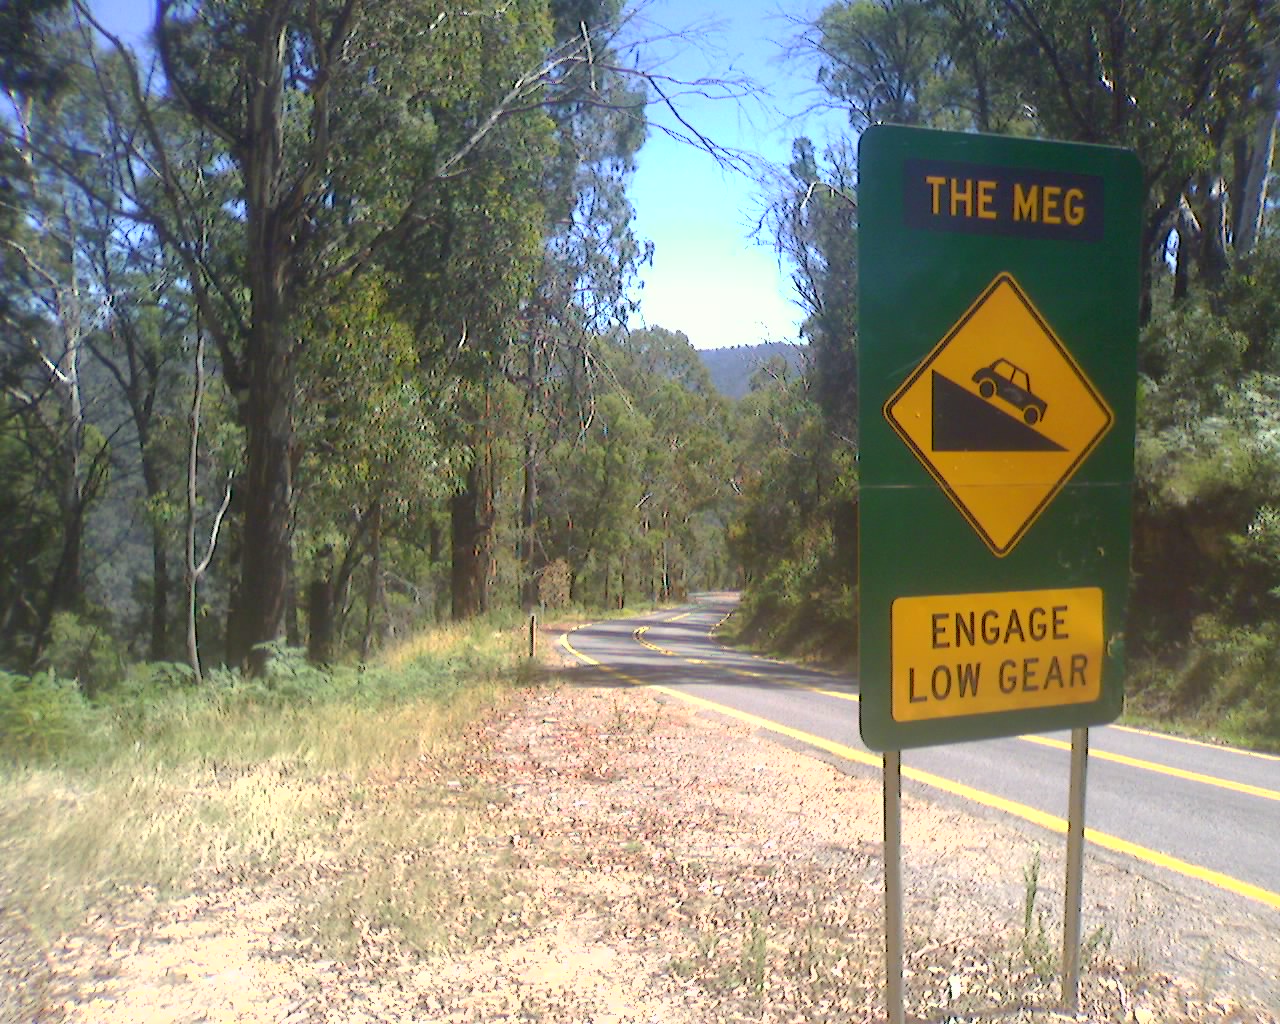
(733, 369)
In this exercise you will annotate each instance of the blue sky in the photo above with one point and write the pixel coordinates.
(709, 278)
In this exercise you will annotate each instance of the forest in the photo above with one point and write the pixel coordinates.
(314, 330)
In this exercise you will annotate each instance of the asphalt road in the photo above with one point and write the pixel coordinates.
(1209, 815)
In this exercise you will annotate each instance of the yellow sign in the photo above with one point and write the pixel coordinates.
(971, 654)
(1000, 414)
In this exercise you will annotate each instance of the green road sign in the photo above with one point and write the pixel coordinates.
(998, 283)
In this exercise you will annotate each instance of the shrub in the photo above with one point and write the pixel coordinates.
(1227, 679)
(82, 650)
(40, 715)
(554, 585)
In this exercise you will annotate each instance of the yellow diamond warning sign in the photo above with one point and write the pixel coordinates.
(1000, 414)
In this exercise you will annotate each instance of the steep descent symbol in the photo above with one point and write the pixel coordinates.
(1013, 385)
(999, 445)
(965, 422)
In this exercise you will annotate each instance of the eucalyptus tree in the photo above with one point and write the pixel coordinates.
(115, 307)
(341, 124)
(813, 219)
(52, 311)
(880, 61)
(598, 477)
(684, 505)
(1191, 87)
(583, 289)
(581, 270)
(482, 262)
(375, 455)
(142, 343)
(27, 510)
(26, 70)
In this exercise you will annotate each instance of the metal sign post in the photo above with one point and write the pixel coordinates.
(893, 941)
(1075, 870)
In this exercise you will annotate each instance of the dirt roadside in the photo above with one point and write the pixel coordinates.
(641, 862)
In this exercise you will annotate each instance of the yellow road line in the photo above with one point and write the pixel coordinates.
(1161, 769)
(1266, 794)
(1197, 743)
(1101, 755)
(797, 686)
(638, 636)
(1045, 820)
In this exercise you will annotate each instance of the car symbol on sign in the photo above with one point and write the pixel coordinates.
(1014, 386)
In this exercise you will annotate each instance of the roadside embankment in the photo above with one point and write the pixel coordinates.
(570, 850)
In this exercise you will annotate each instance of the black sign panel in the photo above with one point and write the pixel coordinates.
(976, 199)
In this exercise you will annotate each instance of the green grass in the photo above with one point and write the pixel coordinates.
(1140, 713)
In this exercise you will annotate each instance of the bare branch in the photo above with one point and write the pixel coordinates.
(218, 517)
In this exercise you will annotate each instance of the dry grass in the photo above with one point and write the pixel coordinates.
(227, 791)
(433, 643)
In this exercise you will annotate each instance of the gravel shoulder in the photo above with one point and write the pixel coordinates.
(615, 857)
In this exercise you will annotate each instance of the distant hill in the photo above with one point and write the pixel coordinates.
(731, 368)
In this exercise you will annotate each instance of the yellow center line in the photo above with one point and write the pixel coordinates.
(1151, 766)
(638, 636)
(792, 684)
(1101, 755)
(1051, 822)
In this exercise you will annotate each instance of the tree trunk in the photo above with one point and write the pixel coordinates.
(1252, 200)
(272, 255)
(64, 588)
(192, 573)
(375, 596)
(158, 649)
(529, 563)
(1213, 229)
(195, 570)
(67, 584)
(844, 532)
(268, 492)
(1182, 265)
(320, 619)
(292, 628)
(488, 495)
(665, 589)
(470, 562)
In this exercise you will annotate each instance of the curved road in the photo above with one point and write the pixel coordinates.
(1204, 812)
